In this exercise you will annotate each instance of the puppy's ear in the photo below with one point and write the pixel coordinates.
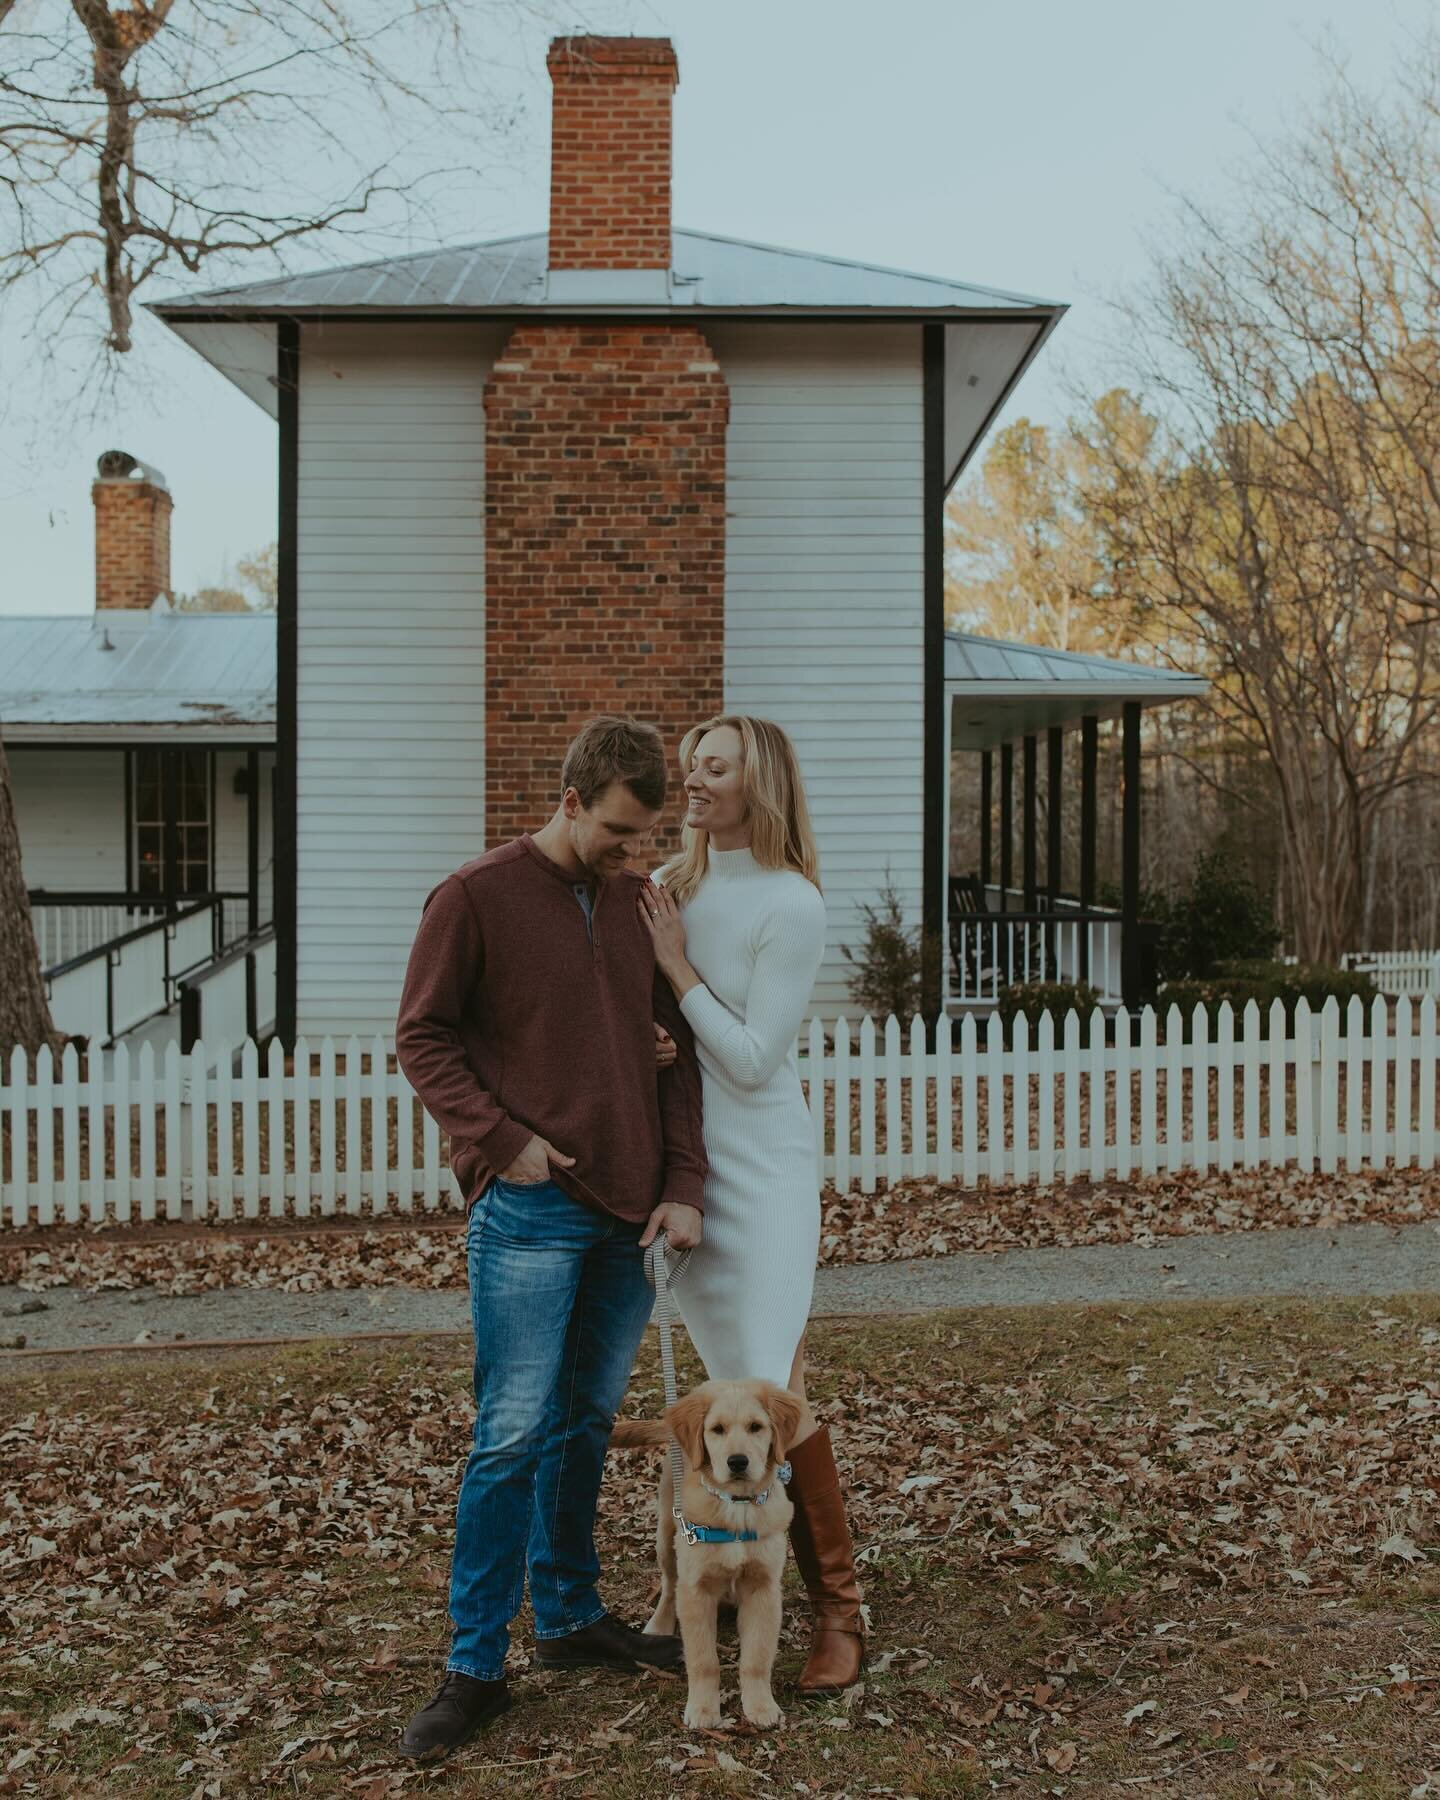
(686, 1418)
(785, 1413)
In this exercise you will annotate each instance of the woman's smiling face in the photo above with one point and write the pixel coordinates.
(714, 788)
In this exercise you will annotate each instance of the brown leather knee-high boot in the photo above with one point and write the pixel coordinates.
(820, 1538)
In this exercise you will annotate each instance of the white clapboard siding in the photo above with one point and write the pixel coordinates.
(824, 615)
(390, 762)
(1018, 1106)
(70, 805)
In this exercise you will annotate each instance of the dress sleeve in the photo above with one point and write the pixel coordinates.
(788, 949)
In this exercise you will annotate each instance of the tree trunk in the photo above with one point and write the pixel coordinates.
(24, 1013)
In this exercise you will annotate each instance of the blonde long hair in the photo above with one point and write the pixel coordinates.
(774, 794)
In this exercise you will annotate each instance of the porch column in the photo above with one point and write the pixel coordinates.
(1007, 823)
(1130, 858)
(942, 950)
(1055, 745)
(1089, 758)
(1028, 824)
(252, 841)
(987, 778)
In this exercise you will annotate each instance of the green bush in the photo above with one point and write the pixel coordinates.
(1265, 982)
(1036, 998)
(894, 966)
(1220, 918)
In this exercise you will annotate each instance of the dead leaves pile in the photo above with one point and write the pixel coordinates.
(264, 1557)
(917, 1219)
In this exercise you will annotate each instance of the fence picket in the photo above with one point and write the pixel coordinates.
(379, 1127)
(1278, 1086)
(327, 1172)
(1097, 1095)
(1072, 1095)
(96, 1184)
(354, 1092)
(430, 1144)
(120, 1130)
(145, 1120)
(867, 1105)
(1200, 1088)
(1045, 1099)
(1124, 1150)
(300, 1125)
(1425, 1150)
(894, 1109)
(1379, 1083)
(200, 1129)
(1225, 1087)
(17, 1179)
(276, 1161)
(995, 1098)
(1355, 1083)
(944, 1095)
(969, 1104)
(1020, 1101)
(918, 1161)
(174, 1154)
(1250, 1052)
(1149, 1062)
(1329, 1123)
(842, 1104)
(250, 1127)
(224, 1133)
(70, 1131)
(404, 1143)
(815, 1091)
(1306, 1076)
(1174, 1089)
(1404, 1045)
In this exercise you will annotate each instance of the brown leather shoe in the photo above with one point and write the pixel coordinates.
(820, 1538)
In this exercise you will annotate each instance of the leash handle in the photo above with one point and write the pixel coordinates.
(660, 1276)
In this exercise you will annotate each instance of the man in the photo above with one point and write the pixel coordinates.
(528, 1027)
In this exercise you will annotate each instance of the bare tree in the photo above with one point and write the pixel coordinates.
(160, 138)
(24, 1013)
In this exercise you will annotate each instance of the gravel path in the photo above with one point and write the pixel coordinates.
(1354, 1260)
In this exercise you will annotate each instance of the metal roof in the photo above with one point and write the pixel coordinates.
(133, 677)
(1015, 690)
(509, 274)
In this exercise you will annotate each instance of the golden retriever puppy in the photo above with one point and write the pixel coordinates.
(729, 1542)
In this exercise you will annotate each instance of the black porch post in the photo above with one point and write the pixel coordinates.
(1054, 779)
(1007, 823)
(935, 850)
(285, 904)
(1089, 757)
(1029, 801)
(987, 780)
(1130, 856)
(252, 840)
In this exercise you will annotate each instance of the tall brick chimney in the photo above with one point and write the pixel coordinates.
(610, 152)
(132, 533)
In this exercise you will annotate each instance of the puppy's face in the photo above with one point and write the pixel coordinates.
(735, 1432)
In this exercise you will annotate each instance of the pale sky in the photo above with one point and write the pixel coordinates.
(1024, 147)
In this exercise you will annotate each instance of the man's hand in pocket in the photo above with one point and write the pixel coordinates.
(532, 1166)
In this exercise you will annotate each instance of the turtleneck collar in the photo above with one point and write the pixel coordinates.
(728, 864)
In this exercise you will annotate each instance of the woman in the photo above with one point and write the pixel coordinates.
(739, 930)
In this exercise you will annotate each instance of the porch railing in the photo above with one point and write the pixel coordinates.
(68, 925)
(105, 992)
(233, 997)
(990, 951)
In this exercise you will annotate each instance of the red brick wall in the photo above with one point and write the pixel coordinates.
(604, 549)
(132, 543)
(610, 152)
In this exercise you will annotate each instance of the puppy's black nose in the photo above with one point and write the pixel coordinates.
(738, 1464)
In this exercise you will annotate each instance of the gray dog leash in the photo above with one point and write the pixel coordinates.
(660, 1275)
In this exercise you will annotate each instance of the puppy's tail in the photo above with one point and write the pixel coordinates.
(632, 1434)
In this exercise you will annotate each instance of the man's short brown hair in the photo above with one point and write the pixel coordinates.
(612, 748)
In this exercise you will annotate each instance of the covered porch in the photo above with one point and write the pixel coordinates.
(1022, 896)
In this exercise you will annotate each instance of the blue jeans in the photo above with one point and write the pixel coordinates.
(559, 1301)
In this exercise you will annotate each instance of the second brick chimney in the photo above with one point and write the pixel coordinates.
(132, 533)
(610, 152)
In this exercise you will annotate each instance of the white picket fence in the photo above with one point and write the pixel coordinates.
(1414, 972)
(210, 1135)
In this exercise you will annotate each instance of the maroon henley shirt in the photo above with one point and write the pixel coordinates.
(520, 1019)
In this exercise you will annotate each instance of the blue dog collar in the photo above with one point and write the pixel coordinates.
(712, 1534)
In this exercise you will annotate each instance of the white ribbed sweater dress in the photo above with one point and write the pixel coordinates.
(755, 937)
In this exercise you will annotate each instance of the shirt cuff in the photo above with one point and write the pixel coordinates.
(684, 1188)
(504, 1143)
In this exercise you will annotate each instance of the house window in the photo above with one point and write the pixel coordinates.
(170, 826)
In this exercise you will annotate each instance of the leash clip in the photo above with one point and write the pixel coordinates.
(691, 1538)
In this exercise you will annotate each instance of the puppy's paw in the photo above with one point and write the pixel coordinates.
(702, 1715)
(762, 1711)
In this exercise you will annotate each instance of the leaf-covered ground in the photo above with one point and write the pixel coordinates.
(919, 1219)
(1181, 1550)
